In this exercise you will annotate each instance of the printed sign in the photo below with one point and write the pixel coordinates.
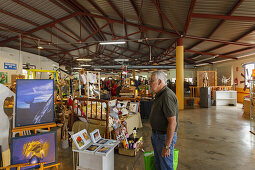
(10, 66)
(253, 73)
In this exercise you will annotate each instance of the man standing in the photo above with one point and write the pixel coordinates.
(164, 121)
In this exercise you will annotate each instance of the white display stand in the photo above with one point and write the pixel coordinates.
(94, 161)
(224, 98)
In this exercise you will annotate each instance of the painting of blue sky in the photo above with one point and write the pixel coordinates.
(35, 100)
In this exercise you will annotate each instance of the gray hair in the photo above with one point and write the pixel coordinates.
(160, 75)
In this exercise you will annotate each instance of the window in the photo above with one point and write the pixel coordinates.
(248, 72)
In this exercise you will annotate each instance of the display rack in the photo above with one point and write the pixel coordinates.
(252, 107)
(33, 127)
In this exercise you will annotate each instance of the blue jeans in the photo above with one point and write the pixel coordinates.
(158, 142)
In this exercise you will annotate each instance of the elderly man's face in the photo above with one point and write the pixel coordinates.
(154, 83)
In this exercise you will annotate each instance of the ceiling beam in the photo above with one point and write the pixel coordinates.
(224, 17)
(212, 54)
(191, 8)
(163, 14)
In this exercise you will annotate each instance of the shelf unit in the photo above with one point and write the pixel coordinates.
(224, 98)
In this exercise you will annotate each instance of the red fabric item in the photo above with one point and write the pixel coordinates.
(113, 90)
(69, 102)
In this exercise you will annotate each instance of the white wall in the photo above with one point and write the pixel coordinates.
(230, 68)
(10, 55)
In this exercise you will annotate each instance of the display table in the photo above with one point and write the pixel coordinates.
(225, 98)
(93, 161)
(132, 121)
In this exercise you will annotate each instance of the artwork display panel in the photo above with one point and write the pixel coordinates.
(34, 102)
(34, 149)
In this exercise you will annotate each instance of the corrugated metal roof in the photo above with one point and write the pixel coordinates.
(150, 15)
(23, 12)
(220, 7)
(246, 9)
(205, 45)
(229, 27)
(228, 48)
(47, 7)
(13, 22)
(176, 11)
(201, 27)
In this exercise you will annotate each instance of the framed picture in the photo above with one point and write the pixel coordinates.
(34, 149)
(79, 140)
(133, 107)
(85, 135)
(123, 104)
(34, 102)
(92, 148)
(3, 78)
(112, 103)
(95, 136)
(104, 149)
(111, 142)
(102, 141)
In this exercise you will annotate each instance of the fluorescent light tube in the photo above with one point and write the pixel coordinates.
(85, 65)
(77, 68)
(121, 59)
(83, 59)
(113, 42)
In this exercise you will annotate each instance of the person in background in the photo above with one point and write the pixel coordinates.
(113, 87)
(164, 120)
(108, 84)
(119, 87)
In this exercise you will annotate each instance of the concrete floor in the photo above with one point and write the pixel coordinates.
(217, 138)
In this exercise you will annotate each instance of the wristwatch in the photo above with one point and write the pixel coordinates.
(167, 147)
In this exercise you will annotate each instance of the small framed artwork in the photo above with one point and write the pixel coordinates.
(112, 142)
(86, 136)
(95, 136)
(92, 148)
(104, 149)
(112, 103)
(102, 141)
(123, 104)
(79, 140)
(133, 107)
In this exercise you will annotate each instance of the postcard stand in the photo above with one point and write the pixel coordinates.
(95, 160)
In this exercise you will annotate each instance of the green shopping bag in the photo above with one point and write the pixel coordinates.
(175, 163)
(149, 160)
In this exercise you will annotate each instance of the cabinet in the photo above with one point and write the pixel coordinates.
(205, 97)
(225, 98)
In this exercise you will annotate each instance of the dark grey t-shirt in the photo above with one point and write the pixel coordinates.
(165, 105)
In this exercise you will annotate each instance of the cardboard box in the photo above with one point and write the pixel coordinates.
(131, 152)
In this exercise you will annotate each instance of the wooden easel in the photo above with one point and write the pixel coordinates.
(33, 127)
(18, 166)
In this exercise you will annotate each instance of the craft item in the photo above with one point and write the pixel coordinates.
(124, 111)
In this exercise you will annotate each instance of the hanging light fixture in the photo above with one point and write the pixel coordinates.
(112, 42)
